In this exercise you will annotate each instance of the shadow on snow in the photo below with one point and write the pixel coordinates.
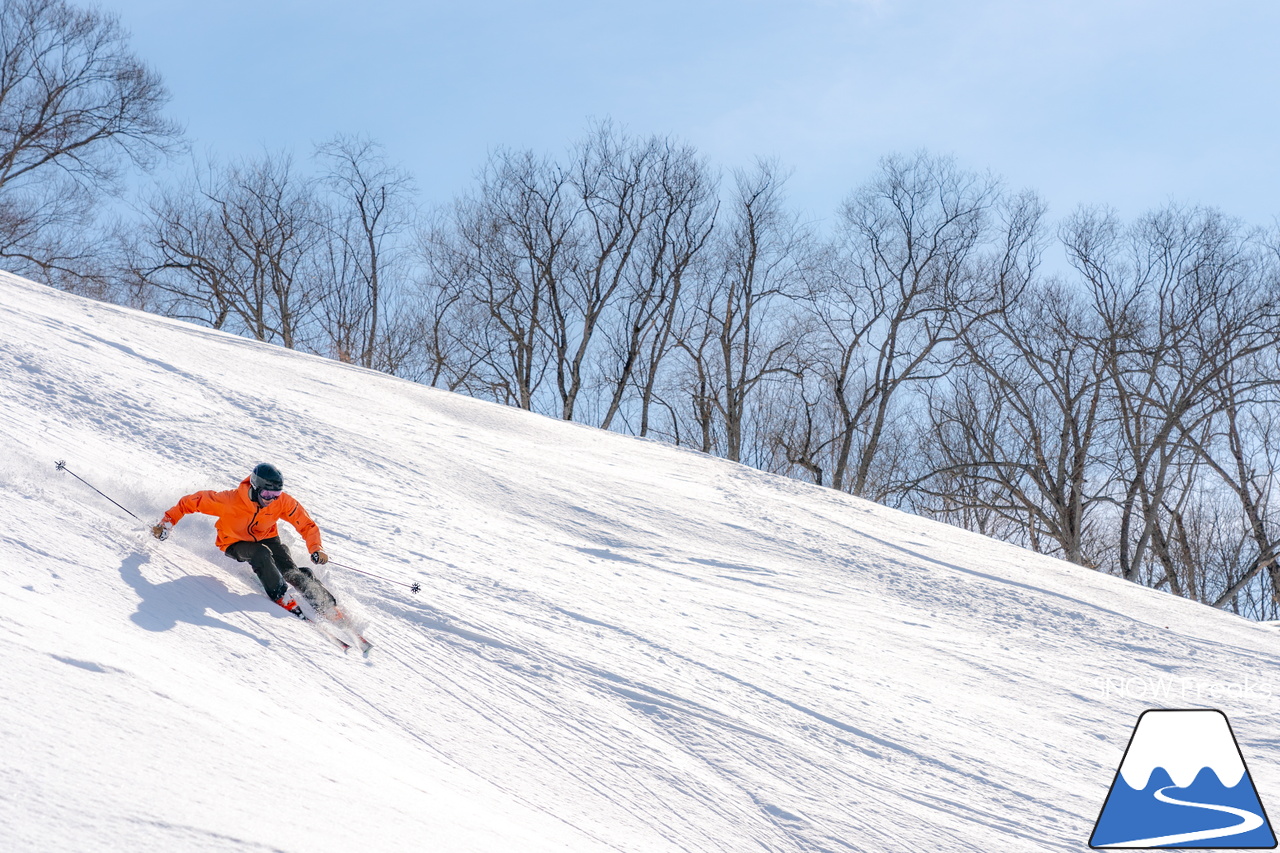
(162, 606)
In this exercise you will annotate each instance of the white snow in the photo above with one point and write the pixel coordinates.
(1183, 743)
(619, 645)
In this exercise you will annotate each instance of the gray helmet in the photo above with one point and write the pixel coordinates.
(265, 477)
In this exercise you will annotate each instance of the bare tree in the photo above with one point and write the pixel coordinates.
(493, 257)
(362, 258)
(644, 332)
(798, 422)
(569, 273)
(615, 195)
(235, 249)
(1183, 309)
(76, 108)
(1016, 435)
(901, 286)
(447, 324)
(1241, 449)
(735, 334)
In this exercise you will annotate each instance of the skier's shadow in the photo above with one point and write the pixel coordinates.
(162, 606)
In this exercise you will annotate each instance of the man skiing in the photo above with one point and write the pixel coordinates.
(246, 527)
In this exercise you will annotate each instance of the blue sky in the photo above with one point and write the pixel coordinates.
(1130, 103)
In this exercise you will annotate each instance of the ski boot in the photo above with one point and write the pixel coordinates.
(289, 603)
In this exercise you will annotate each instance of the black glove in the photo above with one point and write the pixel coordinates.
(161, 530)
(319, 557)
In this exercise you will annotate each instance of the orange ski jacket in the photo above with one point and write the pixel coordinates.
(242, 520)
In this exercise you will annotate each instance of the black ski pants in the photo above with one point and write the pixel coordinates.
(273, 565)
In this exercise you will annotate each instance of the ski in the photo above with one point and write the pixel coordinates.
(326, 624)
(316, 624)
(324, 632)
(341, 644)
(338, 621)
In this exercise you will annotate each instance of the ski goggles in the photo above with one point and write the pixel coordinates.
(268, 495)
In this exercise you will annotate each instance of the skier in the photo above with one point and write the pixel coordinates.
(246, 526)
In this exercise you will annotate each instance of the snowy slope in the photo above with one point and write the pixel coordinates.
(619, 645)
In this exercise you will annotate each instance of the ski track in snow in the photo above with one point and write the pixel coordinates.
(619, 645)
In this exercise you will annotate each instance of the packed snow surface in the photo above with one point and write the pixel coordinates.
(619, 645)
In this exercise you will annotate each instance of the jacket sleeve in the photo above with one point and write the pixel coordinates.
(302, 522)
(205, 502)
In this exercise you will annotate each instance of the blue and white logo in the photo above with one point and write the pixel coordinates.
(1183, 784)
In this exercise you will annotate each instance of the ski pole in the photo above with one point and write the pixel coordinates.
(62, 466)
(413, 587)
